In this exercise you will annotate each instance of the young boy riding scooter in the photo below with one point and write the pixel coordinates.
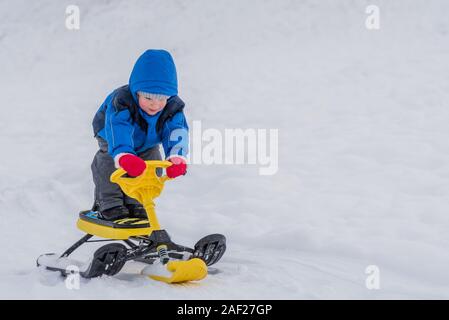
(131, 124)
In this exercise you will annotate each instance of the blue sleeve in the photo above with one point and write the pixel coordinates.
(175, 136)
(119, 131)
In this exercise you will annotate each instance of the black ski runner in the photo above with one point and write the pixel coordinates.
(110, 258)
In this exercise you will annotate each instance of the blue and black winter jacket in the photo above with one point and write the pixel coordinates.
(129, 129)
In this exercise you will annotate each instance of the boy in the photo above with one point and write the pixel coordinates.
(131, 124)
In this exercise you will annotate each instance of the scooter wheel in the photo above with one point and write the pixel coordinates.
(107, 260)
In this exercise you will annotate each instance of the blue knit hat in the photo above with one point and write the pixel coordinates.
(154, 72)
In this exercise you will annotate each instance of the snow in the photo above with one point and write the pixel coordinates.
(362, 115)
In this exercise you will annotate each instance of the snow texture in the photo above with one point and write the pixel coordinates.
(363, 142)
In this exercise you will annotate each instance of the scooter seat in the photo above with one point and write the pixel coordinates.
(121, 229)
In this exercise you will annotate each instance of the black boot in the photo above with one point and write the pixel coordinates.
(137, 211)
(115, 213)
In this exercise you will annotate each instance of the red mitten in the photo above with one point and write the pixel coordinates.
(132, 164)
(178, 168)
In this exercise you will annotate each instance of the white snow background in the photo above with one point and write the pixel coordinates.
(363, 142)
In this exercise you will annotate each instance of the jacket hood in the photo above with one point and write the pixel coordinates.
(154, 72)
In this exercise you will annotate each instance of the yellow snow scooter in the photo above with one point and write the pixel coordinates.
(144, 240)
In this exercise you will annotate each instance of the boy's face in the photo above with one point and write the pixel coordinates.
(151, 106)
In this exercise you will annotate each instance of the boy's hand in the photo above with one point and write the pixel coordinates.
(178, 168)
(132, 164)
